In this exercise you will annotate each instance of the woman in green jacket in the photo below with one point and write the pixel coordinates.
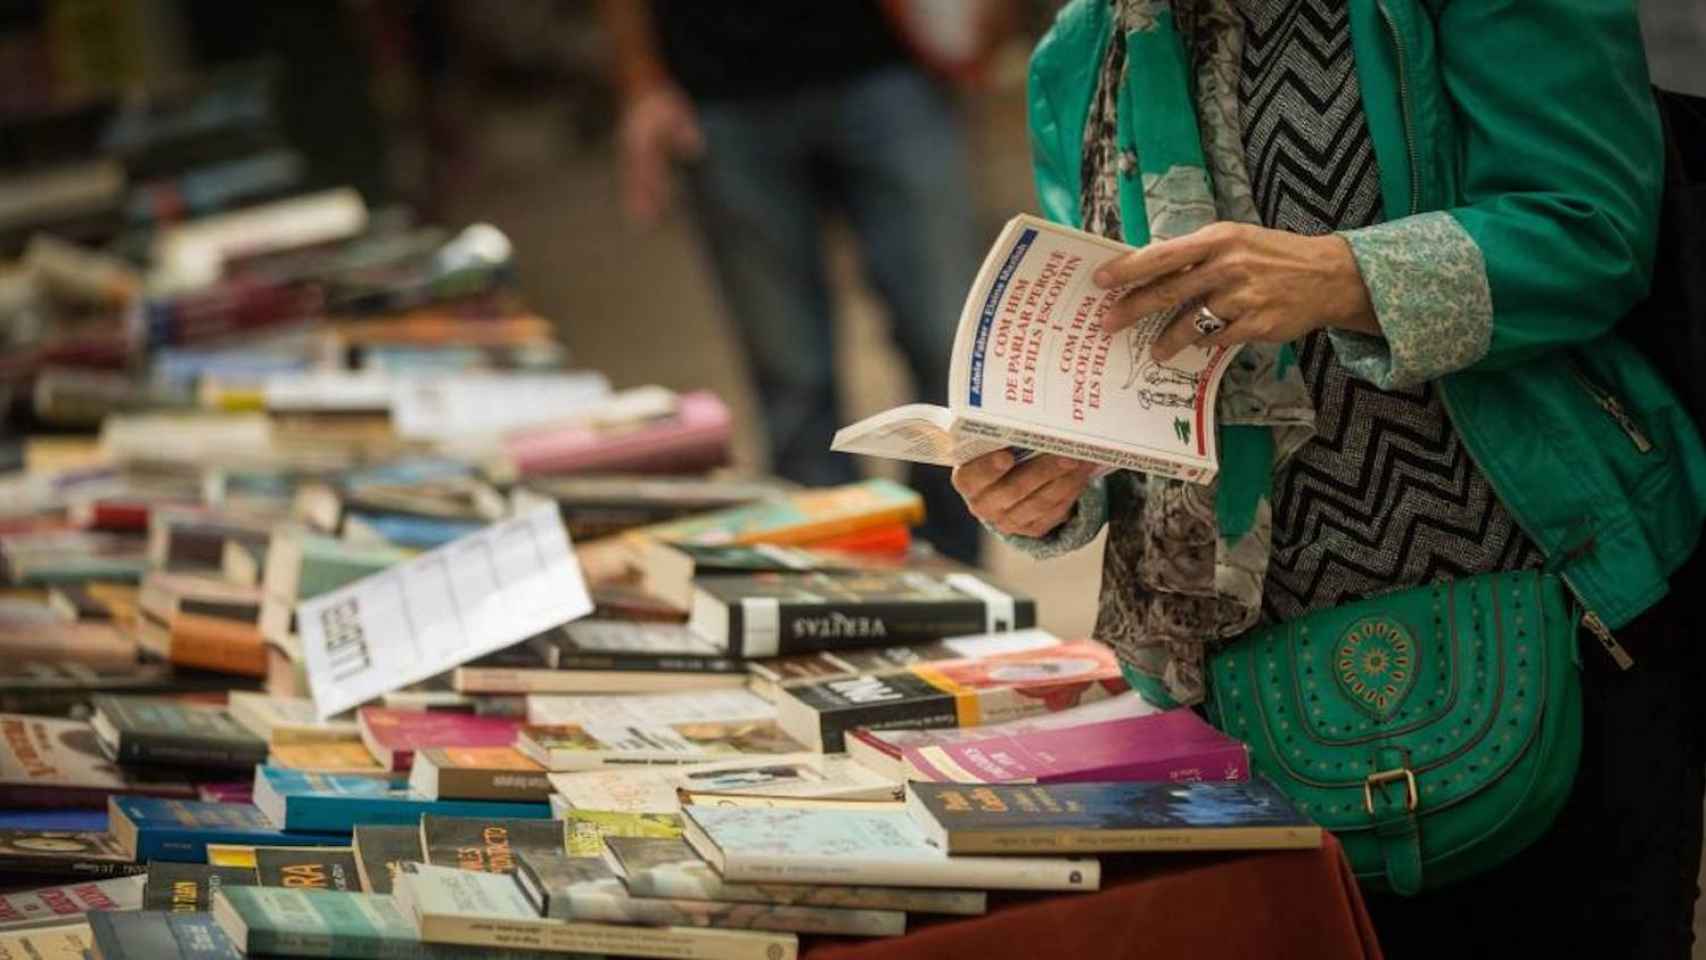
(1424, 219)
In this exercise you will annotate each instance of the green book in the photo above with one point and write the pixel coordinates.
(317, 868)
(160, 730)
(276, 921)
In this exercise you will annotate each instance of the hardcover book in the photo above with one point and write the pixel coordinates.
(150, 828)
(880, 750)
(486, 910)
(189, 887)
(878, 848)
(653, 789)
(30, 908)
(393, 736)
(159, 935)
(959, 693)
(774, 614)
(478, 773)
(335, 803)
(1108, 817)
(319, 868)
(381, 850)
(1033, 369)
(669, 869)
(59, 763)
(588, 888)
(490, 845)
(68, 855)
(1176, 746)
(771, 674)
(143, 730)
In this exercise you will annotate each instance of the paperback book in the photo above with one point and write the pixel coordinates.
(487, 844)
(393, 736)
(150, 828)
(189, 887)
(801, 519)
(335, 803)
(31, 908)
(770, 675)
(589, 829)
(287, 720)
(61, 941)
(307, 922)
(159, 935)
(479, 773)
(381, 850)
(654, 789)
(587, 746)
(48, 856)
(1033, 369)
(46, 762)
(319, 868)
(1108, 817)
(158, 730)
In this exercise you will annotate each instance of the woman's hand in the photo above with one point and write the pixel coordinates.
(1266, 286)
(1027, 500)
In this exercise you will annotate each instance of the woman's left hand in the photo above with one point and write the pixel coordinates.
(1266, 286)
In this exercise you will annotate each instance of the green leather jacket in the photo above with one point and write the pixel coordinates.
(1521, 165)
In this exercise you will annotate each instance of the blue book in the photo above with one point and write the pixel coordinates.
(80, 821)
(155, 828)
(419, 533)
(158, 935)
(337, 802)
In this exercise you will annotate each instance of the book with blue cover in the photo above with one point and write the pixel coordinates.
(159, 935)
(154, 828)
(963, 818)
(296, 800)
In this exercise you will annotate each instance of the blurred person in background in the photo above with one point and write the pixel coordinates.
(785, 113)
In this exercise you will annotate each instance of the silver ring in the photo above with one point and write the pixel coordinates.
(1207, 323)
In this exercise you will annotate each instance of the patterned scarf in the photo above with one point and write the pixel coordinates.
(1185, 562)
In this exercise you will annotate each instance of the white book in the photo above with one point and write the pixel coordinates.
(449, 905)
(644, 709)
(50, 905)
(1032, 369)
(438, 407)
(653, 789)
(286, 720)
(473, 596)
(868, 848)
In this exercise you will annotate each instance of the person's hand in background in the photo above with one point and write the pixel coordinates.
(1026, 499)
(658, 128)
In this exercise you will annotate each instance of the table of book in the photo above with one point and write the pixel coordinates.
(1302, 904)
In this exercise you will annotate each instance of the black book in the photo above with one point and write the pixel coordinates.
(775, 614)
(46, 856)
(597, 506)
(319, 868)
(631, 645)
(380, 850)
(189, 887)
(159, 730)
(159, 935)
(487, 845)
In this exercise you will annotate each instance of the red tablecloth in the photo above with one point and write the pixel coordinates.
(1272, 905)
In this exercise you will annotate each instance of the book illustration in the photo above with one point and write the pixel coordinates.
(30, 907)
(588, 829)
(50, 762)
(487, 845)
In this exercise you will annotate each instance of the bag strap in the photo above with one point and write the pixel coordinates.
(1390, 794)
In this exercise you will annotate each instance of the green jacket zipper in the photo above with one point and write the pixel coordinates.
(1607, 401)
(1404, 109)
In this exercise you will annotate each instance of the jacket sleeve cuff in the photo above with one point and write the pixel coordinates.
(1428, 284)
(1086, 521)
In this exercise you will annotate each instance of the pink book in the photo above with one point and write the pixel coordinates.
(693, 439)
(393, 736)
(242, 791)
(1175, 746)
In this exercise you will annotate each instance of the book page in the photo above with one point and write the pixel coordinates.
(470, 597)
(1032, 355)
(916, 432)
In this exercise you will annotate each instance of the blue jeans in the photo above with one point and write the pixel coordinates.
(887, 151)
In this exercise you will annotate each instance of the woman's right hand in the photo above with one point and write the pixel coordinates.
(1025, 499)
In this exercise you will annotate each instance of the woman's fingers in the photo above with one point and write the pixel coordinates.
(1049, 505)
(974, 476)
(1164, 294)
(1167, 257)
(1027, 478)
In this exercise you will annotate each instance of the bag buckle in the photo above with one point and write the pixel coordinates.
(1384, 777)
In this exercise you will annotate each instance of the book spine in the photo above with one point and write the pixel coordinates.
(23, 868)
(990, 873)
(1073, 840)
(220, 655)
(933, 710)
(514, 786)
(812, 628)
(613, 663)
(187, 751)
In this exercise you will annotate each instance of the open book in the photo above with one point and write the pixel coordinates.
(1033, 370)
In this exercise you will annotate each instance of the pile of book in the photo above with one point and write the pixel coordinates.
(340, 617)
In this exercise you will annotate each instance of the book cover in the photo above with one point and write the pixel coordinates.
(769, 675)
(307, 922)
(693, 438)
(46, 762)
(560, 747)
(337, 757)
(150, 828)
(232, 855)
(589, 889)
(486, 910)
(320, 868)
(773, 614)
(46, 905)
(490, 845)
(229, 791)
(876, 847)
(96, 645)
(70, 855)
(959, 693)
(1108, 817)
(393, 736)
(669, 869)
(602, 504)
(1175, 746)
(801, 518)
(69, 941)
(287, 720)
(478, 773)
(610, 645)
(880, 750)
(653, 789)
(204, 643)
(640, 709)
(160, 935)
(189, 887)
(588, 829)
(141, 730)
(335, 803)
(381, 850)
(406, 532)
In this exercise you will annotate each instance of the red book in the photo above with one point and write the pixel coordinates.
(1176, 746)
(115, 514)
(692, 440)
(889, 540)
(393, 736)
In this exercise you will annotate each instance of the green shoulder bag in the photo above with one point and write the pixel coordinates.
(1434, 731)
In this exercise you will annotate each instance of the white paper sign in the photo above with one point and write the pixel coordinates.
(468, 598)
